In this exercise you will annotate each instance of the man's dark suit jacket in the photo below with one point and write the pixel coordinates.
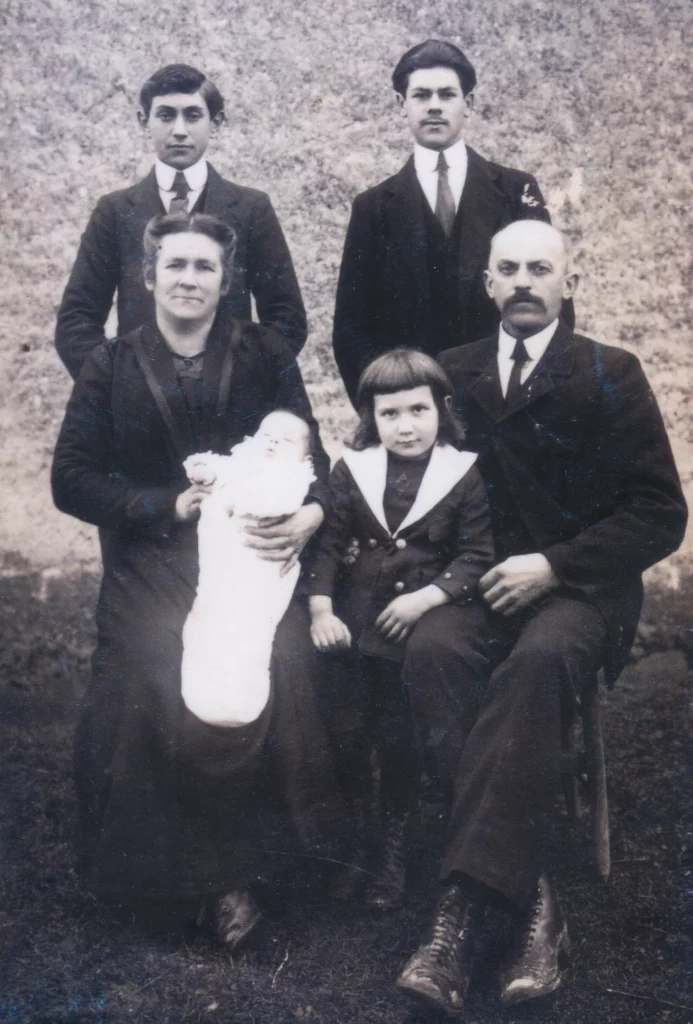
(578, 468)
(110, 259)
(384, 294)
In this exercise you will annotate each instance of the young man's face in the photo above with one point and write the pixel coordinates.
(180, 128)
(435, 107)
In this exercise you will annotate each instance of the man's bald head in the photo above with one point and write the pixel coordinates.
(529, 275)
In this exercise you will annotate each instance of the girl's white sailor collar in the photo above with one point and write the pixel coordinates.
(445, 469)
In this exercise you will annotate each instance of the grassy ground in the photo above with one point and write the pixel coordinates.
(66, 960)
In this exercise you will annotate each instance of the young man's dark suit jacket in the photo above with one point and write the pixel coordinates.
(110, 259)
(384, 296)
(578, 468)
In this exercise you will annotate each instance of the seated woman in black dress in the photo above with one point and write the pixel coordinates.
(168, 804)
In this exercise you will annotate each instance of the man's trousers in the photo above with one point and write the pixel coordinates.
(488, 695)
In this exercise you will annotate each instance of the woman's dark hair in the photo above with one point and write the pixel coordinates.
(434, 53)
(181, 78)
(401, 370)
(175, 224)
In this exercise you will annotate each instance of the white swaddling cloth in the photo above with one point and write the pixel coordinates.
(241, 598)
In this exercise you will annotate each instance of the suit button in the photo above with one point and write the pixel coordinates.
(448, 576)
(399, 585)
(372, 543)
(400, 543)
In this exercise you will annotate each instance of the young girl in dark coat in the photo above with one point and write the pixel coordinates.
(408, 531)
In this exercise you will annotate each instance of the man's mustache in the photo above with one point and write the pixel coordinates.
(525, 298)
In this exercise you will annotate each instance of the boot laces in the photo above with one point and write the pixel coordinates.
(532, 922)
(446, 930)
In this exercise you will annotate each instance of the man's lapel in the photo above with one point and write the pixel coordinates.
(220, 195)
(557, 362)
(481, 213)
(145, 197)
(407, 228)
(483, 380)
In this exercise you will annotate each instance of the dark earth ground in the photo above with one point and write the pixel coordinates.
(65, 960)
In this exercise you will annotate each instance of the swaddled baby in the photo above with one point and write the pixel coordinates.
(241, 598)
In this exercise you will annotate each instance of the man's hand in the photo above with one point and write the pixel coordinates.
(517, 582)
(188, 502)
(283, 538)
(401, 615)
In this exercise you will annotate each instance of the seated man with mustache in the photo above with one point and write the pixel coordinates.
(584, 496)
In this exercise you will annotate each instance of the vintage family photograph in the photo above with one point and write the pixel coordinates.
(346, 594)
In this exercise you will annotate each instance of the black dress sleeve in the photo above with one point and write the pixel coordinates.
(82, 481)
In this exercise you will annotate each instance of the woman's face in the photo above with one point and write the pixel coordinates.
(407, 421)
(189, 274)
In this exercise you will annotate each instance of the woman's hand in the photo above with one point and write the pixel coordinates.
(188, 502)
(283, 538)
(401, 615)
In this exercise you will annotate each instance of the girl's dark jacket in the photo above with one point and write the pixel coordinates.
(445, 539)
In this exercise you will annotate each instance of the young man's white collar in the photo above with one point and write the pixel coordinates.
(196, 177)
(426, 162)
(536, 345)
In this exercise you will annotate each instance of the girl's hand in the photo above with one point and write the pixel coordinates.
(283, 539)
(328, 632)
(188, 502)
(401, 615)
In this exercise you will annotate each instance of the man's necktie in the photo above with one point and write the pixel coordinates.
(520, 358)
(179, 203)
(445, 203)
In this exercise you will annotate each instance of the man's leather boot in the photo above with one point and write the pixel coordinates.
(440, 970)
(542, 942)
(387, 891)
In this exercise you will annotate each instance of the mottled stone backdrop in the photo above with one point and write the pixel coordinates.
(593, 97)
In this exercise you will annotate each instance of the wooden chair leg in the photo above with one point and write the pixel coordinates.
(594, 752)
(569, 779)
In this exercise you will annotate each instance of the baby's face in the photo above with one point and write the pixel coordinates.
(281, 435)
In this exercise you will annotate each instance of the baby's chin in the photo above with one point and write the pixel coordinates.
(277, 456)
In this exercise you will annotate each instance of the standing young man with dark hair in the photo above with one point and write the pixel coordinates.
(417, 244)
(181, 110)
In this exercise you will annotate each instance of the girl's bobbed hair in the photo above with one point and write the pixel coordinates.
(401, 370)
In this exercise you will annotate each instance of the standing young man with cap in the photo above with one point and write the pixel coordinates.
(181, 110)
(417, 244)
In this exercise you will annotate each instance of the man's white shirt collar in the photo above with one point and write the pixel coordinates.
(196, 177)
(426, 163)
(536, 346)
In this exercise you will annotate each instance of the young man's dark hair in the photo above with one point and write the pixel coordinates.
(181, 78)
(433, 53)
